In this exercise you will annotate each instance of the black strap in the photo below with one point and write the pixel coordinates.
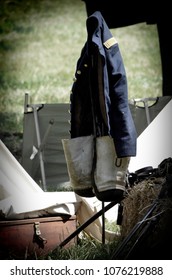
(163, 169)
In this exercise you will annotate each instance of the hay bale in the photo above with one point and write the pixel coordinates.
(138, 201)
(152, 240)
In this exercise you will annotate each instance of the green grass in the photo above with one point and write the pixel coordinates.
(86, 249)
(40, 42)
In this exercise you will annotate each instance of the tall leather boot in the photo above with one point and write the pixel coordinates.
(110, 172)
(79, 158)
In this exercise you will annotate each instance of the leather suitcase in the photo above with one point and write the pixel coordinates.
(32, 238)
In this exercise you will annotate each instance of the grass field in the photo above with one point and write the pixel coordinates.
(40, 42)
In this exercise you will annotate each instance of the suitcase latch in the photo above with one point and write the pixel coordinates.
(37, 238)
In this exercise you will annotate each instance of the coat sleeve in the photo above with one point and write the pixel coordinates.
(121, 122)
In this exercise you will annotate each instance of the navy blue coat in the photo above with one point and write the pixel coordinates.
(99, 95)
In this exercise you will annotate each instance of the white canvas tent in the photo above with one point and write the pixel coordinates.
(155, 143)
(21, 197)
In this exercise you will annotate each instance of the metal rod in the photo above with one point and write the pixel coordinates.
(39, 144)
(134, 230)
(44, 140)
(103, 222)
(88, 222)
(147, 111)
(26, 102)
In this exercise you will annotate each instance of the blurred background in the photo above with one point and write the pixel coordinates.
(40, 43)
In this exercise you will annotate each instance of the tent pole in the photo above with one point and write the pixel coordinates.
(39, 144)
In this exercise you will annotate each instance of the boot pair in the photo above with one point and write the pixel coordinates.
(94, 168)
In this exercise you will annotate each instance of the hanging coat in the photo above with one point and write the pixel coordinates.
(99, 95)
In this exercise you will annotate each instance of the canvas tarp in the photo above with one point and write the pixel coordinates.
(53, 124)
